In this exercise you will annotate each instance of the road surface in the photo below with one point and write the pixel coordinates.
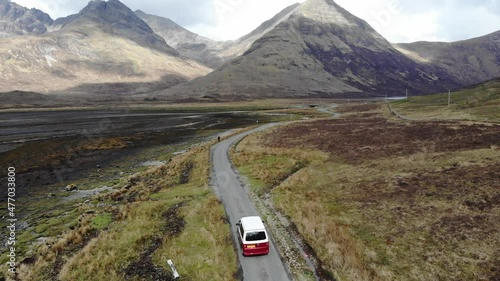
(238, 204)
(328, 110)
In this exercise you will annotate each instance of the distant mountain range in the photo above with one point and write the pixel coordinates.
(321, 50)
(313, 49)
(104, 49)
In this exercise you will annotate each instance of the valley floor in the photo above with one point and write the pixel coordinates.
(371, 196)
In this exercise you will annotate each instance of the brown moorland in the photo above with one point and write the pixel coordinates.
(393, 199)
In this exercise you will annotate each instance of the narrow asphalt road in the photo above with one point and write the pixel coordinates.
(238, 204)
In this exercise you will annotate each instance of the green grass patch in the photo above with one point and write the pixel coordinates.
(256, 184)
(373, 242)
(56, 225)
(269, 171)
(120, 245)
(101, 222)
(476, 103)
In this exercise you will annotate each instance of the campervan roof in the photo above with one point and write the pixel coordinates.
(252, 223)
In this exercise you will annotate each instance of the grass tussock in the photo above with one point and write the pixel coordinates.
(105, 257)
(403, 206)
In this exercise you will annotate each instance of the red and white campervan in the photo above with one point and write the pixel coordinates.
(253, 236)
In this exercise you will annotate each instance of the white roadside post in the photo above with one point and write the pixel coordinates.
(174, 271)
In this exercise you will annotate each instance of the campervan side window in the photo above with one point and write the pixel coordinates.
(241, 230)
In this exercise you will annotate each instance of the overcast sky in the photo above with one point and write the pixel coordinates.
(397, 20)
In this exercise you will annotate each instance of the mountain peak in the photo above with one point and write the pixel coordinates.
(109, 11)
(165, 22)
(324, 11)
(116, 18)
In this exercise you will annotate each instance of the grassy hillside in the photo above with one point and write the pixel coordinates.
(480, 102)
(385, 199)
(72, 62)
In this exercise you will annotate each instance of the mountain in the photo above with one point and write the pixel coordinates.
(471, 61)
(209, 52)
(18, 20)
(117, 19)
(173, 33)
(104, 49)
(238, 47)
(319, 50)
(187, 43)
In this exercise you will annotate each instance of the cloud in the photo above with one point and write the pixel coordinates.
(183, 12)
(236, 18)
(428, 20)
(55, 8)
(469, 22)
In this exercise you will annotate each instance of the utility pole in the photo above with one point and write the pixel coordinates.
(449, 98)
(406, 94)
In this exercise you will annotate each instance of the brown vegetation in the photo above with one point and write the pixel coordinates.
(356, 139)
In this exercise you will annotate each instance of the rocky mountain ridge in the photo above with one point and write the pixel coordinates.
(17, 20)
(116, 18)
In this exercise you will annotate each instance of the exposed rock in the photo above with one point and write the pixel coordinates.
(18, 20)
